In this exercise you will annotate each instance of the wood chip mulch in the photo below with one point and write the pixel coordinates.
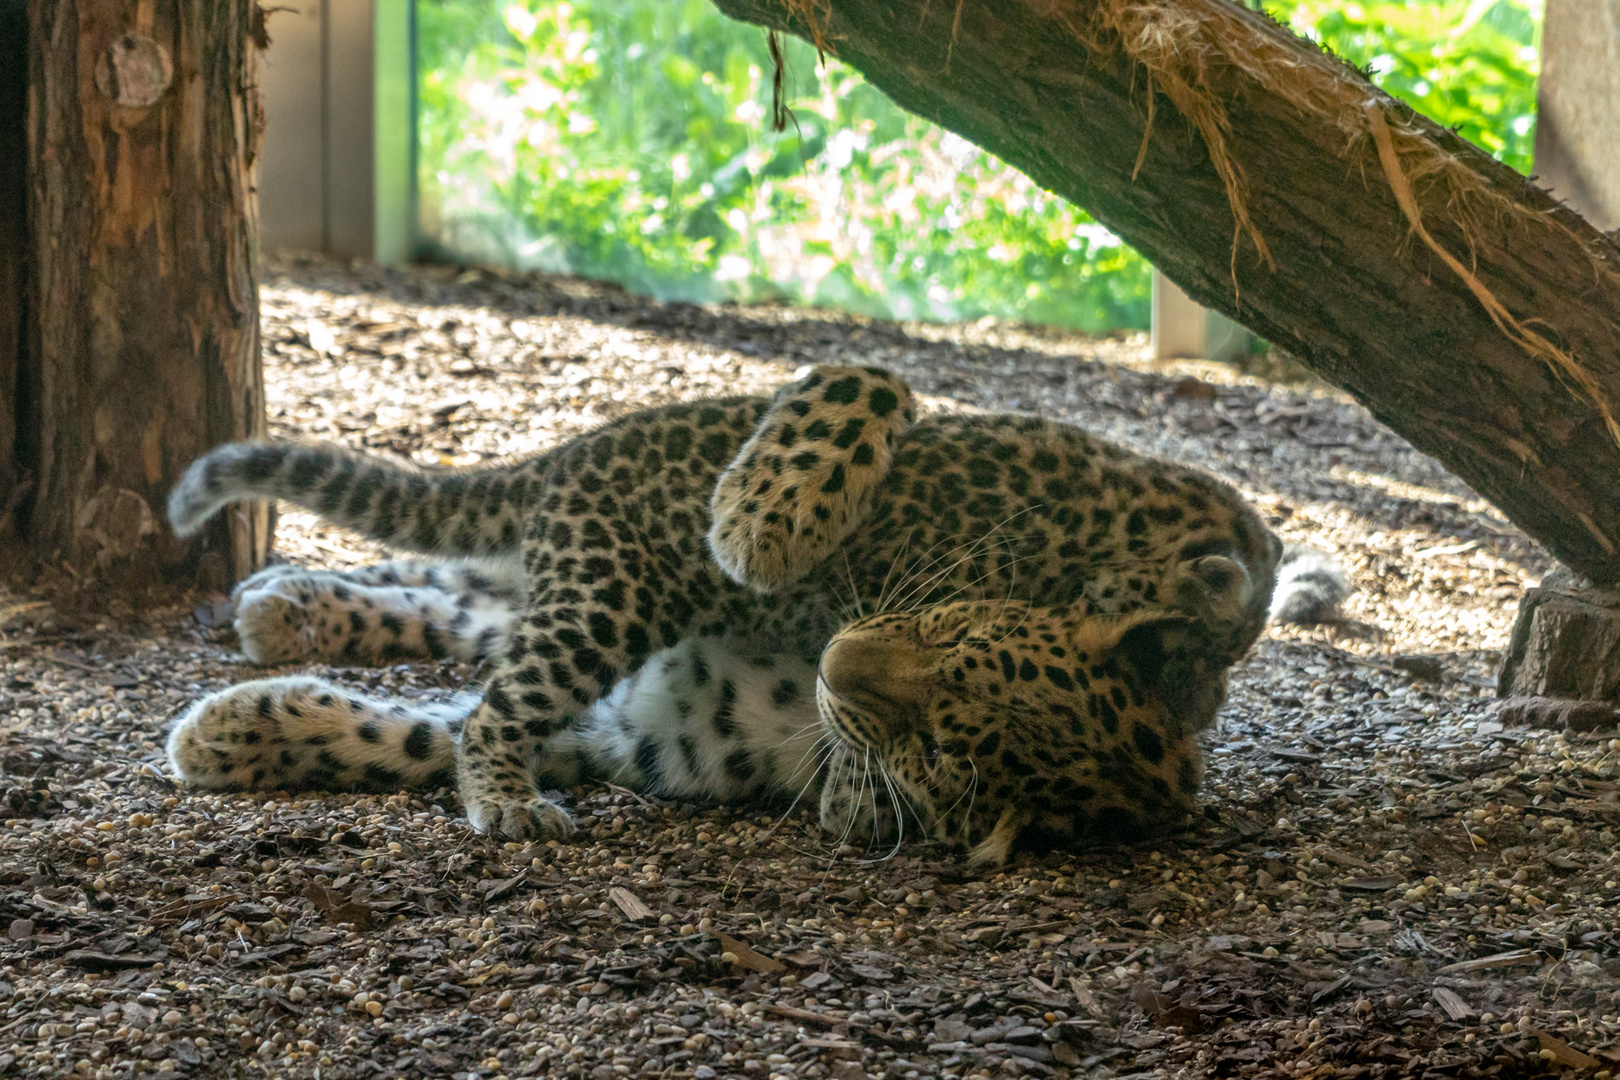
(1390, 880)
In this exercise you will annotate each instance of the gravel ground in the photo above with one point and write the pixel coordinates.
(1387, 881)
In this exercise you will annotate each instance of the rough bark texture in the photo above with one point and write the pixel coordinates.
(13, 229)
(143, 129)
(1349, 289)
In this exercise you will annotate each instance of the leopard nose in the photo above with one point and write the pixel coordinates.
(874, 676)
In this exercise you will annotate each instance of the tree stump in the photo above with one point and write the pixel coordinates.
(1562, 666)
(13, 231)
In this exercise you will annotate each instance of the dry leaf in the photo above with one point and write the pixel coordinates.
(338, 909)
(1563, 1053)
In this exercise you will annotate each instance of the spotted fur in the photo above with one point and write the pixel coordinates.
(997, 550)
(695, 721)
(460, 610)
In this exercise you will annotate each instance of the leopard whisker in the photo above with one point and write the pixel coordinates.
(823, 748)
(964, 793)
(804, 732)
(926, 577)
(849, 825)
(960, 589)
(913, 576)
(866, 785)
(899, 559)
(899, 817)
(854, 604)
(1022, 619)
(973, 795)
(820, 750)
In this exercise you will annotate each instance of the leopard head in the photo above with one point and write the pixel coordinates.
(1009, 725)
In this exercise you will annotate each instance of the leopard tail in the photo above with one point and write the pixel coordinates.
(470, 511)
(1310, 587)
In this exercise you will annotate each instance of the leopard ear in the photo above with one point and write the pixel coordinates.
(1214, 589)
(1151, 646)
(1177, 662)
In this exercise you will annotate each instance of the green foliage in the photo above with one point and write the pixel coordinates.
(629, 139)
(1468, 64)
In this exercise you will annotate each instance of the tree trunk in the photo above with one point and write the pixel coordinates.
(1478, 320)
(142, 348)
(13, 230)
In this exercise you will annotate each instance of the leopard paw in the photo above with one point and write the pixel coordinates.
(537, 819)
(855, 812)
(808, 475)
(273, 628)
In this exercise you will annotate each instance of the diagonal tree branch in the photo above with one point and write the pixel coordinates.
(1479, 320)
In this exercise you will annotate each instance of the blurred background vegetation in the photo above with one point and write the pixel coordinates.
(630, 140)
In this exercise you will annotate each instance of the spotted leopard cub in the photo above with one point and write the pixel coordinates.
(666, 602)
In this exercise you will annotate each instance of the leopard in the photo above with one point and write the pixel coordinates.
(999, 631)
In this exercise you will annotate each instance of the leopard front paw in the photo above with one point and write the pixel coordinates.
(272, 628)
(536, 819)
(808, 475)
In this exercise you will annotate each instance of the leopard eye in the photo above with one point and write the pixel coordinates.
(930, 748)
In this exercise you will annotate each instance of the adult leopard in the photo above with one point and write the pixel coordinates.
(678, 601)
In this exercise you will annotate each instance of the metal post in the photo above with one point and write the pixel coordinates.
(1578, 107)
(1178, 321)
(1183, 329)
(339, 146)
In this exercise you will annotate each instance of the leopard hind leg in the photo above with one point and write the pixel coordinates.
(398, 610)
(299, 732)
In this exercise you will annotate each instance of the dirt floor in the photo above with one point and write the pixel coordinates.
(1388, 881)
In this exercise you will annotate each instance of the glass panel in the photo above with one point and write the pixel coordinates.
(630, 140)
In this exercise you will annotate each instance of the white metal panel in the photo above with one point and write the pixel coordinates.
(350, 154)
(292, 198)
(1178, 321)
(337, 173)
